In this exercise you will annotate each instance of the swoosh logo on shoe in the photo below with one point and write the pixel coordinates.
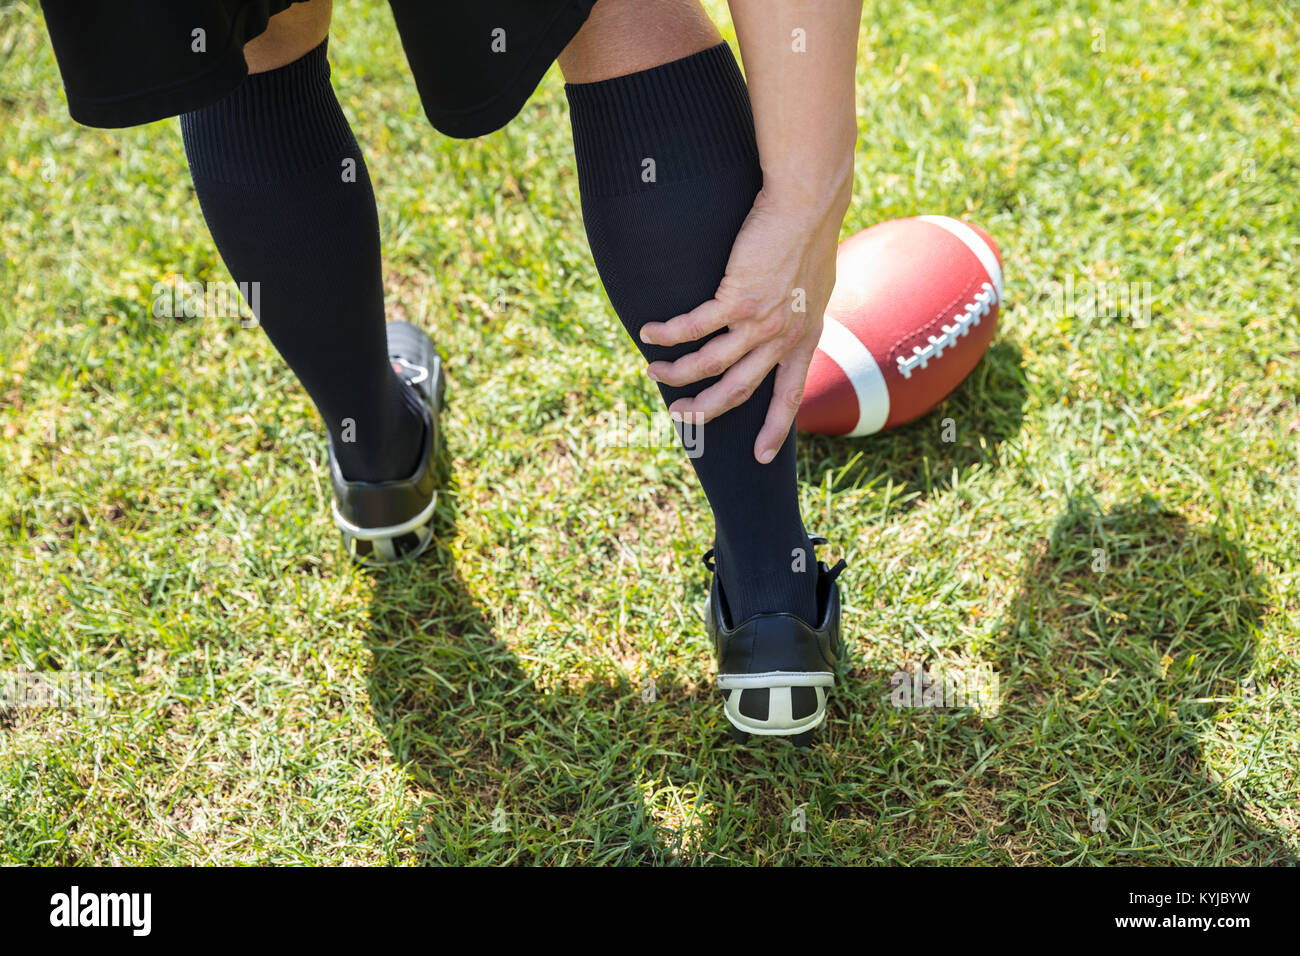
(402, 365)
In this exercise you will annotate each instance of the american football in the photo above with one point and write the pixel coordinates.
(914, 308)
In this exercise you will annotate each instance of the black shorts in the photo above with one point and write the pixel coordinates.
(127, 62)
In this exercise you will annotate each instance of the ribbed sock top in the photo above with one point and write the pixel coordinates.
(691, 117)
(275, 125)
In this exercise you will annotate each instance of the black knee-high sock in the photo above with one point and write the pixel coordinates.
(667, 170)
(287, 196)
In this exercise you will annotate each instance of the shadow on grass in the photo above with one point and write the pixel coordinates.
(986, 410)
(1120, 736)
(504, 772)
(1131, 631)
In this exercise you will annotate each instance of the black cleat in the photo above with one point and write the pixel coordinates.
(775, 670)
(388, 521)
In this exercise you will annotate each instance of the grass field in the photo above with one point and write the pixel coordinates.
(1112, 532)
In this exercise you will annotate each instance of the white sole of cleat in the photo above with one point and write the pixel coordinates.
(381, 540)
(389, 532)
(780, 720)
(384, 551)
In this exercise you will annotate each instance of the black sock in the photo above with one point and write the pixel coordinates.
(661, 247)
(289, 212)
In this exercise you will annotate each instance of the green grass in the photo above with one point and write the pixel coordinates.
(163, 516)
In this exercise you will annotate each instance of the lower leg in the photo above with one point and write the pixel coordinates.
(661, 244)
(286, 194)
(628, 36)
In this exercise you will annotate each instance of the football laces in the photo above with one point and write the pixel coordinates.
(965, 320)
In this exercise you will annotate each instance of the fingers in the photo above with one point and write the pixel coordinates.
(709, 361)
(735, 387)
(688, 327)
(787, 394)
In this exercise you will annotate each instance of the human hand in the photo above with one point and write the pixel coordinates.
(771, 302)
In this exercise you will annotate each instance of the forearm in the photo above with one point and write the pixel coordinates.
(801, 86)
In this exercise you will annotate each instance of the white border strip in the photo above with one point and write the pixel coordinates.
(844, 349)
(975, 244)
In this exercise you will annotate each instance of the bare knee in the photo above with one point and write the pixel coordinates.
(627, 36)
(289, 35)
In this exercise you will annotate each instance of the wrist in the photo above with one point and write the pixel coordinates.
(817, 193)
(824, 188)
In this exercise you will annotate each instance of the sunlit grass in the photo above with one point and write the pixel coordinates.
(1112, 532)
